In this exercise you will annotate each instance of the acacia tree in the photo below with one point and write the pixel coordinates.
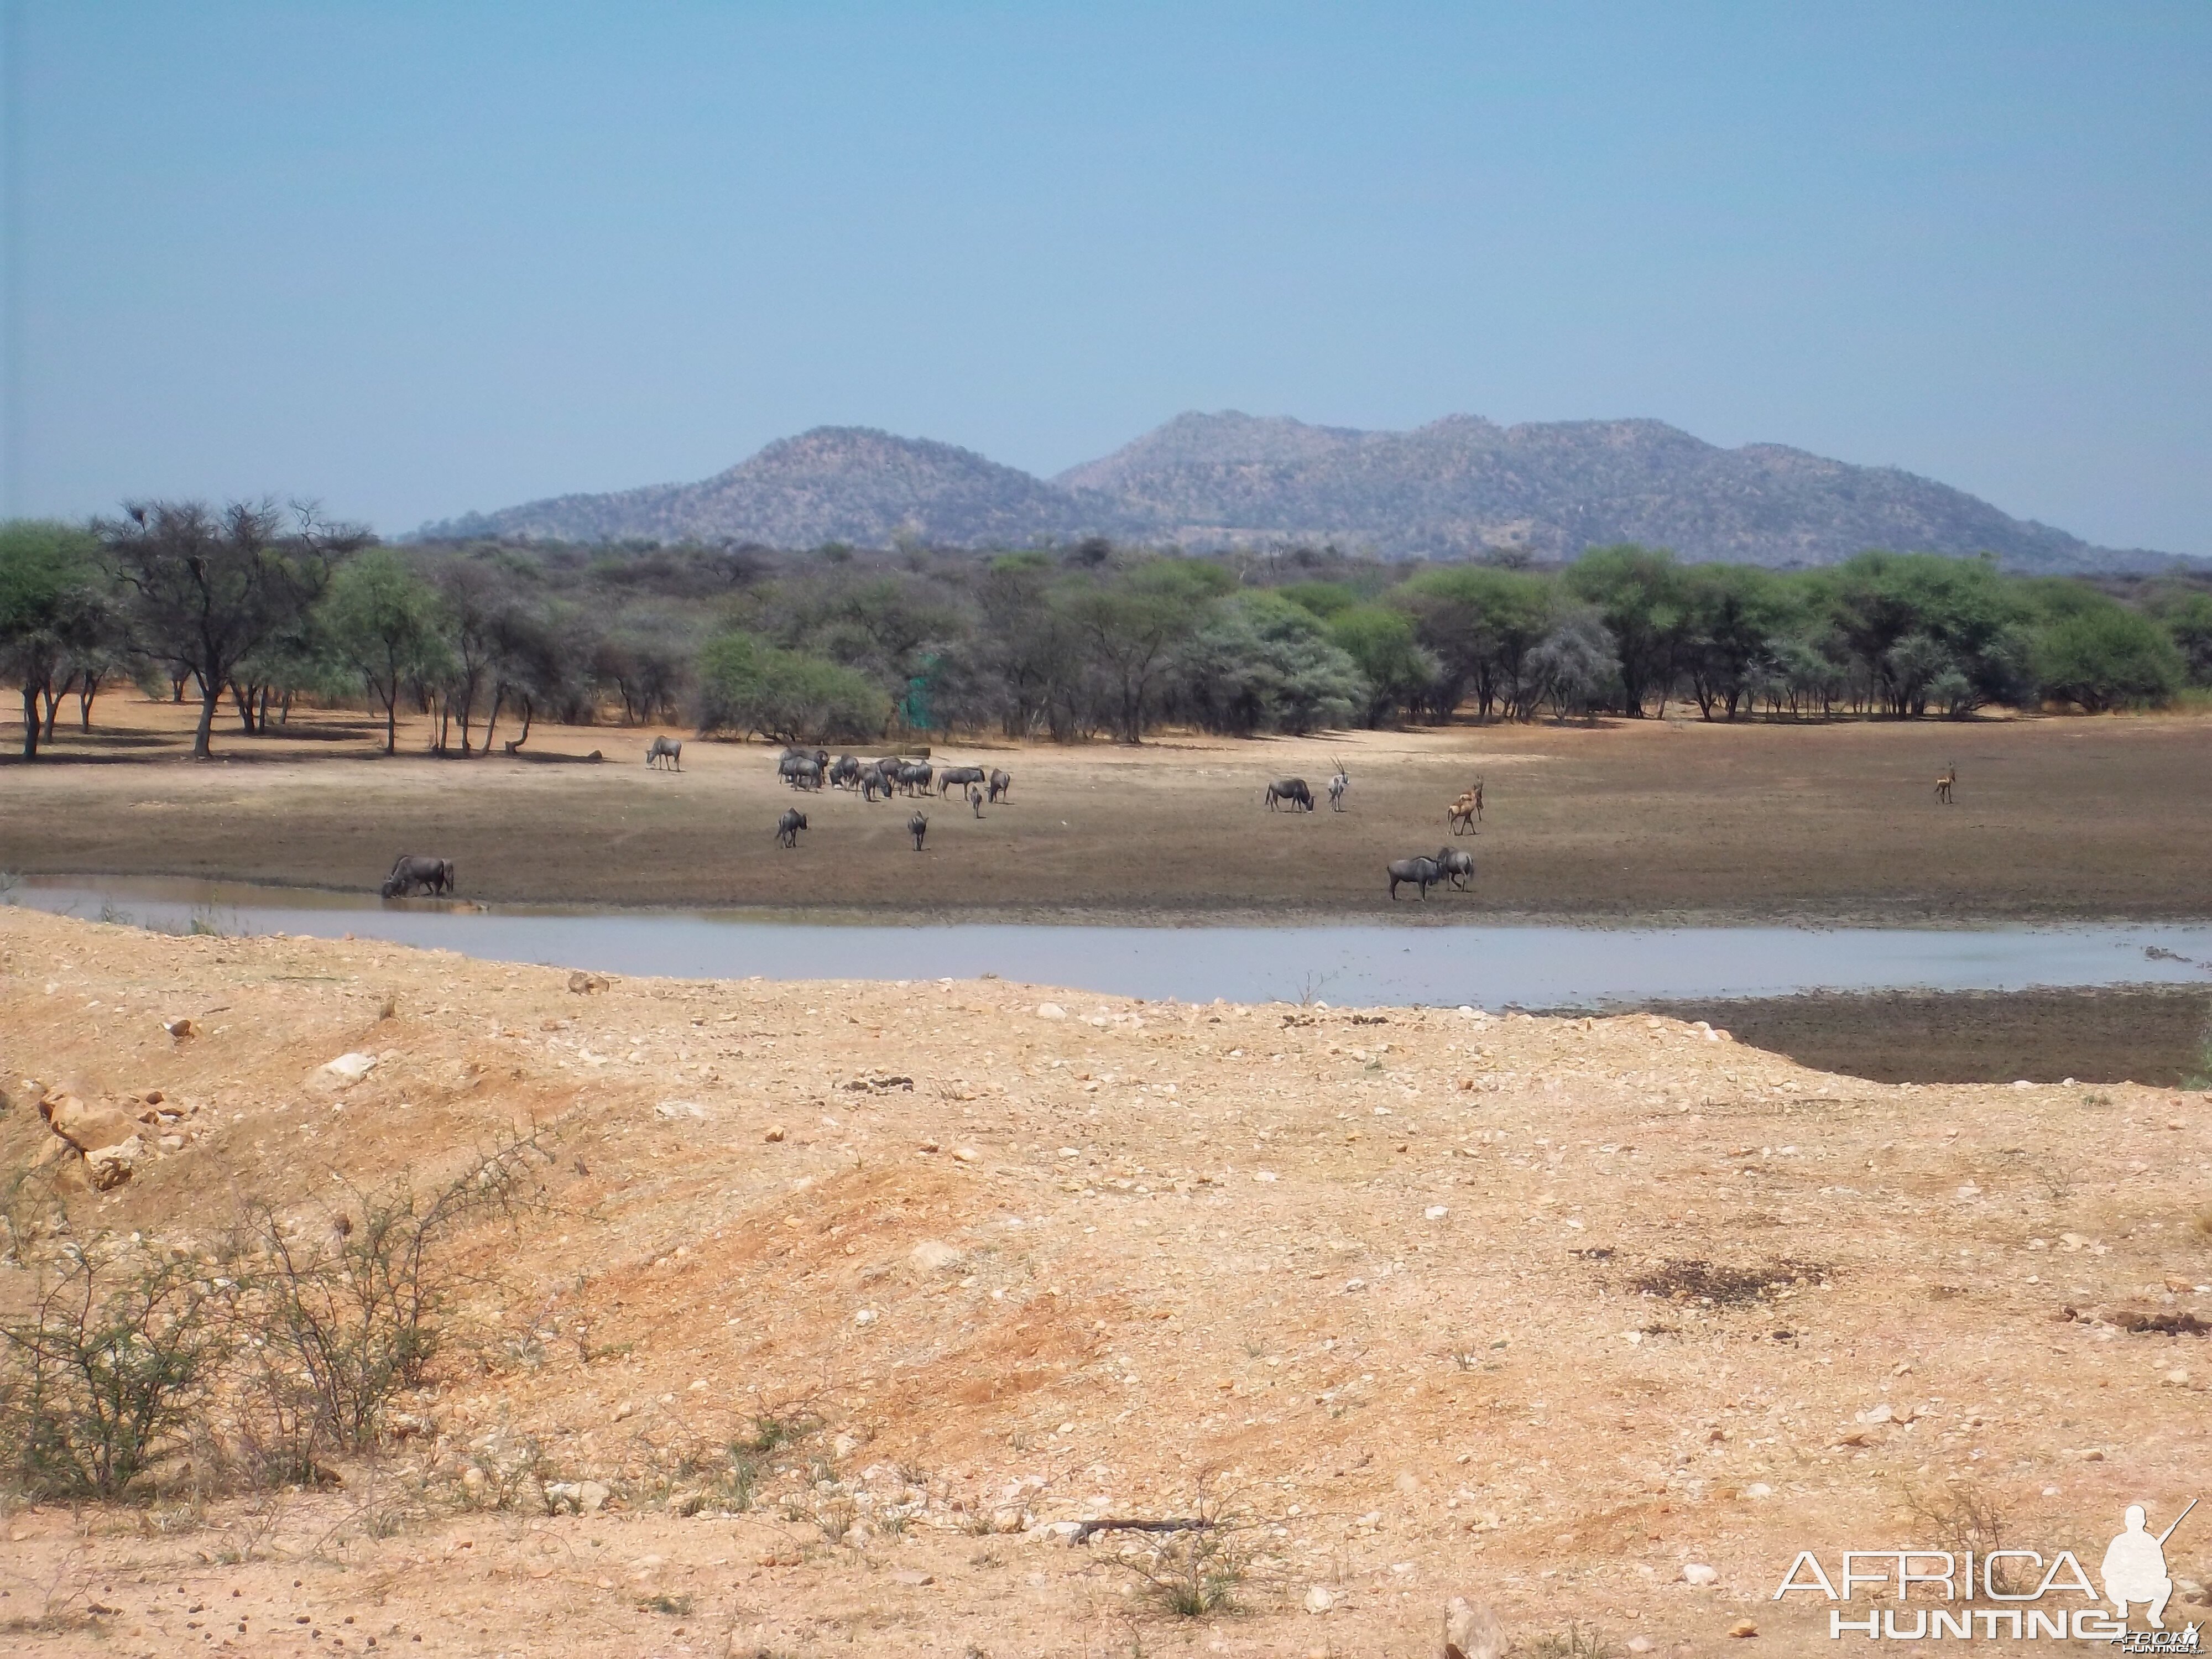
(383, 620)
(51, 616)
(204, 591)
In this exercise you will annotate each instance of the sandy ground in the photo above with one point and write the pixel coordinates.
(2056, 818)
(1382, 1283)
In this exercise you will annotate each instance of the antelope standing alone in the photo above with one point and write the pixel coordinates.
(1463, 812)
(1946, 782)
(1339, 782)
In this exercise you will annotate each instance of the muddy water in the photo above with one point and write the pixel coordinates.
(1535, 966)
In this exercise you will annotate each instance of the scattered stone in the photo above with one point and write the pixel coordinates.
(1051, 1010)
(865, 1317)
(87, 1128)
(1319, 1600)
(686, 1502)
(934, 1255)
(110, 1166)
(775, 1133)
(908, 1576)
(350, 1067)
(1743, 1627)
(584, 984)
(1641, 1645)
(1698, 1573)
(1472, 1631)
(180, 1029)
(675, 1109)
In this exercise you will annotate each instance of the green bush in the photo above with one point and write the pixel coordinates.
(746, 685)
(2102, 657)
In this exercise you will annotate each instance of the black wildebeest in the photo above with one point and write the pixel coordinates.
(917, 826)
(410, 871)
(1293, 790)
(976, 799)
(665, 748)
(1422, 872)
(845, 772)
(1456, 866)
(799, 771)
(959, 776)
(789, 826)
(1002, 785)
(915, 774)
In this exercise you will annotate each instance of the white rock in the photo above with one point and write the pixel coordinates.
(1641, 1645)
(1697, 1572)
(590, 1497)
(672, 1109)
(1472, 1632)
(1435, 1213)
(934, 1255)
(1051, 1010)
(865, 1316)
(1759, 1489)
(1319, 1599)
(350, 1067)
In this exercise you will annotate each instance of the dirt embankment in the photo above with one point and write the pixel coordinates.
(1541, 1312)
(2056, 818)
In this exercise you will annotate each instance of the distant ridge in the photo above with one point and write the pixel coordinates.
(1457, 487)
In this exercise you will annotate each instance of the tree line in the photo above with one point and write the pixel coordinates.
(257, 608)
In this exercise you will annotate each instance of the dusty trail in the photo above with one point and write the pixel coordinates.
(1380, 1276)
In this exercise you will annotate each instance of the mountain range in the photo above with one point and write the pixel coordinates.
(1459, 486)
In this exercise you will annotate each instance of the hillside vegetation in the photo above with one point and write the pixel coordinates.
(1456, 489)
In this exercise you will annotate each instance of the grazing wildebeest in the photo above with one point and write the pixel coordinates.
(960, 777)
(789, 826)
(873, 784)
(1456, 867)
(845, 772)
(917, 826)
(976, 798)
(412, 871)
(665, 748)
(1002, 784)
(1293, 790)
(1339, 782)
(799, 771)
(1422, 872)
(915, 774)
(1946, 782)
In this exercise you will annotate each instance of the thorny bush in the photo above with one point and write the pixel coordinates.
(287, 1345)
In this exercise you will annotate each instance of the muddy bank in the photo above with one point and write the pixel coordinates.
(1665, 821)
(2147, 1034)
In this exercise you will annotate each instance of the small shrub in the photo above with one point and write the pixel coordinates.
(109, 1366)
(1963, 1516)
(1576, 1642)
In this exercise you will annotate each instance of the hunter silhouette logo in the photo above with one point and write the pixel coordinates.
(1962, 1593)
(2135, 1566)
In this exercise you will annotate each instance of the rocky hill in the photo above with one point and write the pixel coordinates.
(1458, 487)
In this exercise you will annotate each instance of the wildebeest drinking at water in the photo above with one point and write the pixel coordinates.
(412, 871)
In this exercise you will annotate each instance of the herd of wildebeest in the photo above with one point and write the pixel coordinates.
(811, 770)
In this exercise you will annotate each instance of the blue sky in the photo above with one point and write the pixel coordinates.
(414, 259)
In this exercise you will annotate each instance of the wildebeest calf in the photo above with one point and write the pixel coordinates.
(976, 799)
(1002, 784)
(789, 826)
(1421, 872)
(665, 748)
(410, 871)
(917, 826)
(1456, 866)
(1293, 790)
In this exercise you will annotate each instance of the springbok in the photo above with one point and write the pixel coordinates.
(1946, 782)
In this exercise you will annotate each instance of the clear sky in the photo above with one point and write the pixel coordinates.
(415, 259)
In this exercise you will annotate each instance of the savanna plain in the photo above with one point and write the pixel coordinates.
(794, 1319)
